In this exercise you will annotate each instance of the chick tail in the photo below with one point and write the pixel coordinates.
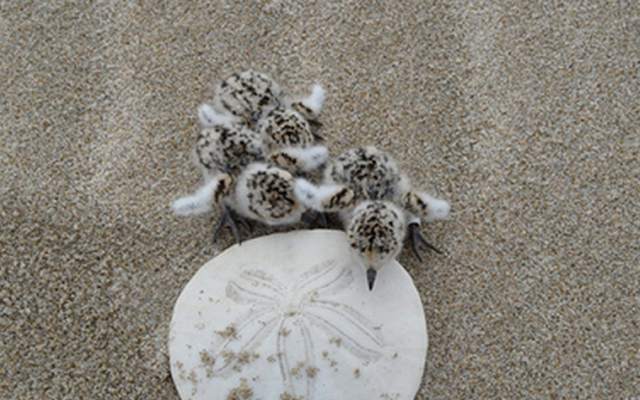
(426, 207)
(315, 100)
(329, 198)
(302, 159)
(209, 117)
(197, 203)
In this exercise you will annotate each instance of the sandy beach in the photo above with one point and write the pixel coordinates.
(524, 115)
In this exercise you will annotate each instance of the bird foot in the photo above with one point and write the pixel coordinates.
(315, 122)
(315, 219)
(415, 238)
(316, 135)
(227, 220)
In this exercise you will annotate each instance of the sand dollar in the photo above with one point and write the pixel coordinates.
(289, 316)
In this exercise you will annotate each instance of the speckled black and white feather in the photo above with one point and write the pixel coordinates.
(289, 137)
(248, 94)
(212, 193)
(325, 198)
(376, 232)
(266, 194)
(374, 175)
(286, 128)
(385, 206)
(369, 172)
(228, 148)
(310, 106)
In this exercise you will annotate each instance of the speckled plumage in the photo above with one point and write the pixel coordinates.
(247, 94)
(326, 198)
(288, 134)
(228, 148)
(423, 206)
(266, 194)
(374, 175)
(273, 196)
(375, 232)
(527, 109)
(213, 192)
(369, 172)
(260, 192)
(386, 207)
(285, 128)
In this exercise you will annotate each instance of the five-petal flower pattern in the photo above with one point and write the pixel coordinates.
(294, 312)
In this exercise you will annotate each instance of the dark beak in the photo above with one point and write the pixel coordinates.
(371, 277)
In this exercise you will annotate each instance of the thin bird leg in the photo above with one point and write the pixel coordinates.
(227, 219)
(323, 219)
(314, 122)
(245, 222)
(314, 218)
(317, 136)
(415, 237)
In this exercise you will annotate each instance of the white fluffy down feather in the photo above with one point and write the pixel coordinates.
(313, 196)
(438, 209)
(311, 157)
(197, 203)
(316, 99)
(209, 117)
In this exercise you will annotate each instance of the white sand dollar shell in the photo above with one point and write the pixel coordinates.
(289, 316)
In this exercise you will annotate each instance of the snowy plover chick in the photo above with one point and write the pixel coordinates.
(269, 194)
(228, 147)
(222, 151)
(375, 233)
(258, 101)
(244, 95)
(262, 193)
(289, 136)
(369, 172)
(374, 175)
(375, 228)
(249, 95)
(387, 208)
(265, 193)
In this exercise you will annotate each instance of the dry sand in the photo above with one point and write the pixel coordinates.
(524, 114)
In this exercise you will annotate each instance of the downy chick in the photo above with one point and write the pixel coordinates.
(386, 208)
